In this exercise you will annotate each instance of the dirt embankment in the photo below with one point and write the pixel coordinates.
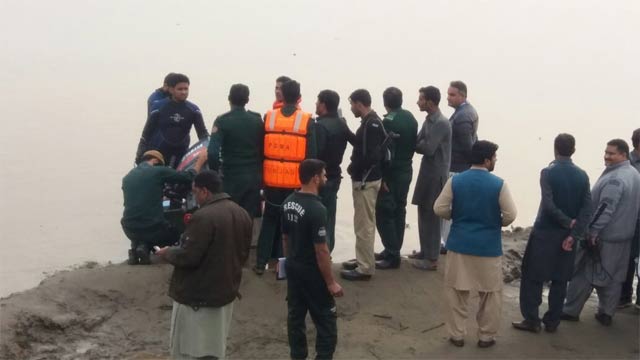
(120, 311)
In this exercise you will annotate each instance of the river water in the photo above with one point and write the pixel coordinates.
(76, 74)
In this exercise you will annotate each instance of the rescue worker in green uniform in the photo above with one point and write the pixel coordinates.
(332, 134)
(396, 178)
(236, 148)
(310, 283)
(143, 218)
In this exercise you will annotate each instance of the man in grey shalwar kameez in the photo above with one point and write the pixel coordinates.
(602, 262)
(434, 143)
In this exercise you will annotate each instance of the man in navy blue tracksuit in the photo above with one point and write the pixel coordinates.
(169, 123)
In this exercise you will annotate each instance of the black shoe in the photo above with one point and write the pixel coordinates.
(350, 265)
(354, 275)
(623, 304)
(133, 258)
(388, 264)
(527, 325)
(567, 317)
(485, 344)
(550, 329)
(417, 255)
(443, 251)
(604, 319)
(457, 342)
(142, 252)
(380, 256)
(259, 270)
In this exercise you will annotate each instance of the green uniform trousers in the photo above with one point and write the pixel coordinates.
(329, 196)
(163, 234)
(391, 211)
(244, 190)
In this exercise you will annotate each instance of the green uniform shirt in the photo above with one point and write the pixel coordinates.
(143, 189)
(237, 142)
(403, 123)
(304, 220)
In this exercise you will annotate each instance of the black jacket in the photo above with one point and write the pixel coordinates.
(332, 134)
(367, 151)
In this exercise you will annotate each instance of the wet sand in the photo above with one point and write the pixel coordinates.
(119, 311)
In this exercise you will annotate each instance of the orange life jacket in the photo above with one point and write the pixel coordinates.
(279, 104)
(285, 147)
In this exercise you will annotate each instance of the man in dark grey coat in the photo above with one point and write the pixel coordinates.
(464, 133)
(563, 216)
(434, 143)
(602, 262)
(464, 126)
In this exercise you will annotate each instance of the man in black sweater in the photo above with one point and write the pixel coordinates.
(366, 174)
(332, 134)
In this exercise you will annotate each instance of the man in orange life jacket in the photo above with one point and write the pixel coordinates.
(289, 139)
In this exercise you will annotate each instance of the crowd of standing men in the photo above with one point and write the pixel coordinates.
(286, 167)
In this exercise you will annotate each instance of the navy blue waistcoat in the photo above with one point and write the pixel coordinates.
(476, 215)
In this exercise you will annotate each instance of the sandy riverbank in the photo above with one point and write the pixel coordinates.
(119, 311)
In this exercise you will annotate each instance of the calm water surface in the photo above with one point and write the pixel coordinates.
(76, 75)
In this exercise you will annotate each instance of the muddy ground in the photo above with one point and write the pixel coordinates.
(118, 311)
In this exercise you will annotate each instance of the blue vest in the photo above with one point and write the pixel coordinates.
(477, 220)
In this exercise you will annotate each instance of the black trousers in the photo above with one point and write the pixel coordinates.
(531, 299)
(307, 291)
